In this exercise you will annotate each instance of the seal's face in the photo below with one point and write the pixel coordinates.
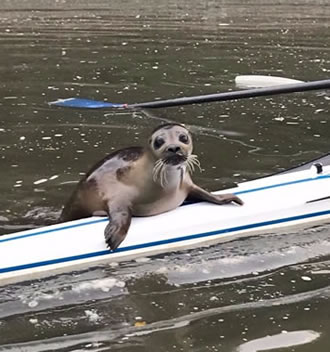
(171, 143)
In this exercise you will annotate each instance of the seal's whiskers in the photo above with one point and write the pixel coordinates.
(159, 172)
(190, 167)
(156, 170)
(193, 161)
(163, 176)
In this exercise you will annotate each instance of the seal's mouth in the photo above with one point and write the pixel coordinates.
(174, 159)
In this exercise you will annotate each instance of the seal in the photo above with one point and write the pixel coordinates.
(141, 181)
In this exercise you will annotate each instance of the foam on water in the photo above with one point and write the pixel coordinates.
(104, 285)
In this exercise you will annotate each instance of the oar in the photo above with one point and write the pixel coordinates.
(232, 95)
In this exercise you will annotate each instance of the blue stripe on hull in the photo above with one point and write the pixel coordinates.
(163, 242)
(42, 232)
(289, 183)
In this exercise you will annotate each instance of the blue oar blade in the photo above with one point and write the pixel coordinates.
(85, 103)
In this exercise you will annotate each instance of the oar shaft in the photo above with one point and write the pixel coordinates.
(240, 94)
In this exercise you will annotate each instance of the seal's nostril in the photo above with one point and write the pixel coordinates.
(173, 148)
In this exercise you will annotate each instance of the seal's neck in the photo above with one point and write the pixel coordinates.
(168, 176)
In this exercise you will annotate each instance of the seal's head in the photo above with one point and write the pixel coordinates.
(171, 145)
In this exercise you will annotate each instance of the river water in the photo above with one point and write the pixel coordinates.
(254, 294)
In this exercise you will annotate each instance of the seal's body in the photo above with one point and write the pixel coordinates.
(140, 181)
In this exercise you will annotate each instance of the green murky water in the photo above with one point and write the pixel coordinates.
(260, 293)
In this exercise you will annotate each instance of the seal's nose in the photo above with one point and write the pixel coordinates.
(173, 149)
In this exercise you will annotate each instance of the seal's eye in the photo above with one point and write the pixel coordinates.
(183, 138)
(159, 141)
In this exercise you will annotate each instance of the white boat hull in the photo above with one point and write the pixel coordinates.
(270, 203)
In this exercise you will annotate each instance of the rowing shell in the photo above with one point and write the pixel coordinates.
(296, 197)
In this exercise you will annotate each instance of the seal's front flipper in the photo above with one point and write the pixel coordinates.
(116, 230)
(198, 193)
(228, 198)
